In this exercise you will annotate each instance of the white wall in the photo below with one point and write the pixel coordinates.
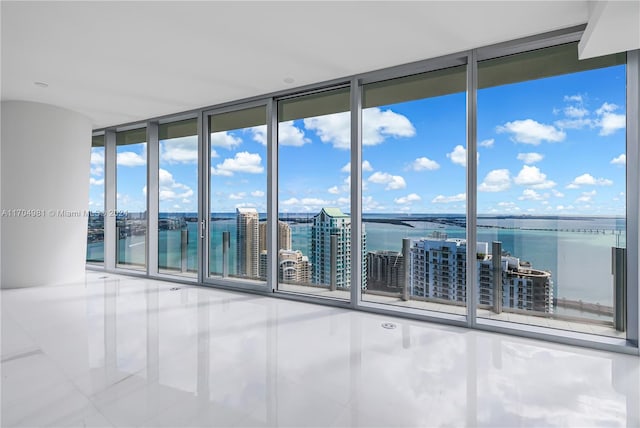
(45, 166)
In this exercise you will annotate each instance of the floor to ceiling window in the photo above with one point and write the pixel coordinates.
(414, 179)
(178, 230)
(237, 195)
(314, 231)
(548, 183)
(551, 189)
(95, 222)
(131, 198)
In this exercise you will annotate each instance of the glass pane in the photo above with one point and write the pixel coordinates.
(178, 200)
(414, 181)
(131, 203)
(95, 231)
(551, 190)
(314, 242)
(238, 189)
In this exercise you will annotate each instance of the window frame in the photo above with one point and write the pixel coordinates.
(355, 83)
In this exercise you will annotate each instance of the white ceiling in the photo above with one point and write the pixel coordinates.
(120, 62)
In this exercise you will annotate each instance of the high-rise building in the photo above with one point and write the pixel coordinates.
(523, 287)
(385, 271)
(438, 270)
(438, 267)
(284, 235)
(247, 245)
(331, 263)
(293, 266)
(284, 243)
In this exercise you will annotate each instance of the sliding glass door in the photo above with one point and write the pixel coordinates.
(131, 199)
(552, 190)
(413, 186)
(314, 182)
(178, 231)
(237, 210)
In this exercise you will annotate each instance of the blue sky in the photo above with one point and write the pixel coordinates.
(551, 146)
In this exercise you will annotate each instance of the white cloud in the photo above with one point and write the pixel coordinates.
(575, 111)
(180, 150)
(619, 160)
(97, 157)
(573, 123)
(532, 176)
(130, 159)
(573, 98)
(441, 199)
(221, 172)
(611, 122)
(97, 171)
(257, 193)
(530, 195)
(366, 166)
(291, 135)
(557, 194)
(239, 195)
(586, 197)
(588, 180)
(529, 131)
(378, 125)
(369, 204)
(509, 206)
(307, 204)
(530, 158)
(393, 182)
(169, 189)
(547, 184)
(497, 180)
(244, 162)
(487, 143)
(345, 187)
(606, 108)
(459, 155)
(332, 128)
(259, 134)
(424, 163)
(288, 134)
(412, 197)
(225, 140)
(608, 121)
(94, 182)
(575, 115)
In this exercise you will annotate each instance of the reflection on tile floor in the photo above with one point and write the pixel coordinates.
(121, 351)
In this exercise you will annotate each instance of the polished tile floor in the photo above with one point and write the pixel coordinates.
(121, 351)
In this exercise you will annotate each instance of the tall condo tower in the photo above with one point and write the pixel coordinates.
(247, 242)
(331, 249)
